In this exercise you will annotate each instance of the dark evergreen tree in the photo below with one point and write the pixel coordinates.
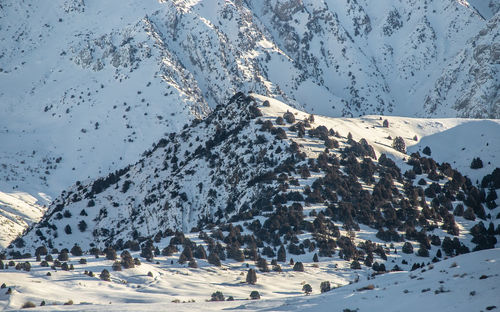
(281, 254)
(289, 117)
(214, 259)
(117, 266)
(315, 258)
(200, 252)
(307, 289)
(469, 214)
(67, 229)
(169, 250)
(148, 250)
(447, 246)
(76, 251)
(299, 267)
(476, 163)
(251, 277)
(427, 151)
(399, 144)
(407, 248)
(63, 255)
(459, 210)
(355, 265)
(41, 251)
(110, 253)
(82, 226)
(254, 295)
(127, 260)
(262, 265)
(325, 287)
(423, 252)
(105, 276)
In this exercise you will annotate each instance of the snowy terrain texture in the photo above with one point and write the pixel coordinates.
(464, 283)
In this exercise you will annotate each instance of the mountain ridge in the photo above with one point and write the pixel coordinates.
(257, 158)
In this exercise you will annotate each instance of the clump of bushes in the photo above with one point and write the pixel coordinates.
(217, 296)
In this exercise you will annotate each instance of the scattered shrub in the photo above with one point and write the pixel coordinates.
(217, 296)
(76, 251)
(28, 304)
(117, 266)
(105, 276)
(289, 117)
(427, 151)
(325, 286)
(476, 163)
(307, 289)
(254, 295)
(299, 267)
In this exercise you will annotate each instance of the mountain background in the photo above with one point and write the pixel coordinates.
(87, 86)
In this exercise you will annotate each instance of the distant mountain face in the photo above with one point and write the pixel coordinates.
(471, 80)
(74, 72)
(487, 8)
(87, 86)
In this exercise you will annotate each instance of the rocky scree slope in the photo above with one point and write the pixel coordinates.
(260, 180)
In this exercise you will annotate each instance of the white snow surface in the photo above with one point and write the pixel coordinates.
(464, 283)
(18, 211)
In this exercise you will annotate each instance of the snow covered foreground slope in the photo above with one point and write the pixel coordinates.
(464, 283)
(461, 284)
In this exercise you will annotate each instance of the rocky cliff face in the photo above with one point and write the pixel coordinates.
(470, 82)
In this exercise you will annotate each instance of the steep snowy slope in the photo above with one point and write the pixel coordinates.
(470, 83)
(18, 211)
(85, 88)
(487, 8)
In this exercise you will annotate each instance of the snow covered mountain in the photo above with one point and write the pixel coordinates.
(470, 81)
(18, 211)
(86, 86)
(256, 182)
(285, 172)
